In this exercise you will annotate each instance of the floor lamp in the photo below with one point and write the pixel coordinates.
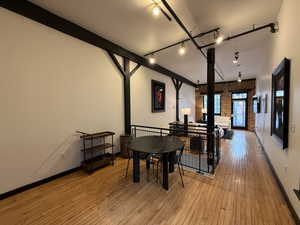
(186, 112)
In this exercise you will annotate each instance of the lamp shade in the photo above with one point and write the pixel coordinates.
(204, 110)
(186, 111)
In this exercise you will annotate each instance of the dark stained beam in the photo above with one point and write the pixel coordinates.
(126, 73)
(166, 4)
(127, 104)
(179, 42)
(177, 85)
(38, 14)
(210, 106)
(117, 64)
(135, 69)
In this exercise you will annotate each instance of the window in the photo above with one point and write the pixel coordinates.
(217, 103)
(239, 95)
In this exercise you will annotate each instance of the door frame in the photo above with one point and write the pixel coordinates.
(246, 111)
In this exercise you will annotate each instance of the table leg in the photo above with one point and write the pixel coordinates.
(136, 167)
(172, 158)
(165, 171)
(148, 168)
(148, 164)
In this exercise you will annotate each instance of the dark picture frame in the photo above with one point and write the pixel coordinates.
(158, 93)
(280, 102)
(256, 104)
(266, 103)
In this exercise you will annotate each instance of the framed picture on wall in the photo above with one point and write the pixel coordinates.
(256, 104)
(266, 103)
(280, 102)
(158, 90)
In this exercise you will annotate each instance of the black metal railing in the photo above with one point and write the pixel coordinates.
(196, 155)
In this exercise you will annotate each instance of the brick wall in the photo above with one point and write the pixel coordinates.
(225, 89)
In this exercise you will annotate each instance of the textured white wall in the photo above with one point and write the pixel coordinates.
(187, 100)
(141, 99)
(284, 44)
(52, 85)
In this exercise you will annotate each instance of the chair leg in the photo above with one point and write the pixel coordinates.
(157, 172)
(126, 174)
(179, 170)
(182, 169)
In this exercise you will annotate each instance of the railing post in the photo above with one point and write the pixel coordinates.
(200, 150)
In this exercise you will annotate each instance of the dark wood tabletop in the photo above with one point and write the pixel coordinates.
(156, 144)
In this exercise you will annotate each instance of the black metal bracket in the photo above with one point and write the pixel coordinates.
(177, 85)
(125, 71)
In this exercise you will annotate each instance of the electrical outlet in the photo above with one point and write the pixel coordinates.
(285, 169)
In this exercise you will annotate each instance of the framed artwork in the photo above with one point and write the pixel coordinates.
(266, 103)
(158, 90)
(280, 102)
(256, 104)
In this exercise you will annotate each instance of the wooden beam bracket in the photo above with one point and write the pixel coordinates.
(177, 85)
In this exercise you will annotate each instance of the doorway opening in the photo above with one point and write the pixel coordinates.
(239, 110)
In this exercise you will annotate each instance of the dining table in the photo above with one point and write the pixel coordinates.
(165, 146)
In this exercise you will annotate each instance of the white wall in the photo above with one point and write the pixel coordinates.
(285, 43)
(141, 99)
(187, 100)
(52, 85)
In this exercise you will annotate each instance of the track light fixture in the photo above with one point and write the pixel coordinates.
(182, 49)
(218, 38)
(152, 60)
(156, 10)
(198, 87)
(240, 77)
(236, 57)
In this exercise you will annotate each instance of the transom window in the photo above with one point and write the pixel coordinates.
(239, 95)
(217, 103)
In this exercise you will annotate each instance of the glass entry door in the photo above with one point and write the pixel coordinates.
(239, 110)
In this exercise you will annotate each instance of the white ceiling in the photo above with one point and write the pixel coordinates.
(130, 24)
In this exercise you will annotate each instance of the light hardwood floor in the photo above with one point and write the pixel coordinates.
(243, 192)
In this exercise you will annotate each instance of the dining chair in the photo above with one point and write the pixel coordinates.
(156, 160)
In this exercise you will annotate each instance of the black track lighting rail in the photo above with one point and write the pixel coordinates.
(272, 26)
(41, 15)
(166, 4)
(180, 42)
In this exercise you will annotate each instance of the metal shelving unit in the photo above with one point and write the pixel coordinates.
(95, 150)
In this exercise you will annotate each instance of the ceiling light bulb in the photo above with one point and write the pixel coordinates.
(182, 50)
(239, 80)
(235, 61)
(152, 59)
(156, 10)
(219, 40)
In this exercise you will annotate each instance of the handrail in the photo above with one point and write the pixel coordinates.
(175, 130)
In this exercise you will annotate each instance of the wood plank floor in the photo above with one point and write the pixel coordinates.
(243, 192)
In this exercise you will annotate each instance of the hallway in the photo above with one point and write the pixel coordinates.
(243, 192)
